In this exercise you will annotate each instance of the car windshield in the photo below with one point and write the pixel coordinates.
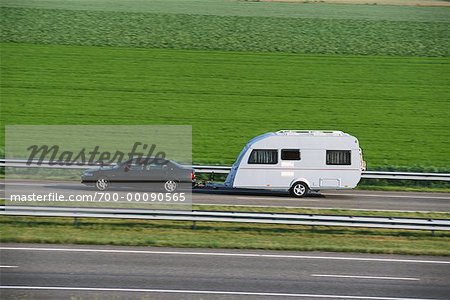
(176, 164)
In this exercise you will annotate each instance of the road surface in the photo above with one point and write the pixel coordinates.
(348, 199)
(344, 199)
(63, 271)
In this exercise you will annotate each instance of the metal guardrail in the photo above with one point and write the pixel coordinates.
(365, 174)
(406, 175)
(211, 169)
(226, 169)
(19, 163)
(225, 216)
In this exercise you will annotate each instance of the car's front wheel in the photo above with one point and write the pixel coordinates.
(170, 186)
(102, 184)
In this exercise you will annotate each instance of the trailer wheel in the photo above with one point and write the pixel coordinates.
(299, 189)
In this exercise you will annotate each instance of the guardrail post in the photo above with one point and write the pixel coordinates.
(194, 225)
(76, 222)
(211, 176)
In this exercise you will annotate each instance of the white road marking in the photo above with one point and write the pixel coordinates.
(365, 277)
(63, 288)
(387, 196)
(9, 266)
(275, 198)
(226, 254)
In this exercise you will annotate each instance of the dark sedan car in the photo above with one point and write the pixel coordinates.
(146, 173)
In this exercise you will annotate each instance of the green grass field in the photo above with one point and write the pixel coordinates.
(398, 107)
(251, 68)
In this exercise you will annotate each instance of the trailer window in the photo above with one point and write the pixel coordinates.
(267, 157)
(339, 157)
(290, 154)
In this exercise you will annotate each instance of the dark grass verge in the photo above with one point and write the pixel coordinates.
(226, 33)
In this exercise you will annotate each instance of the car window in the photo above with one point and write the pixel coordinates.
(155, 166)
(137, 164)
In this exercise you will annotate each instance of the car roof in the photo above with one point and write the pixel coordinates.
(148, 158)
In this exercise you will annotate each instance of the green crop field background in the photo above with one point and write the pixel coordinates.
(233, 70)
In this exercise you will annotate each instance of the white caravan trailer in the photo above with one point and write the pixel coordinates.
(298, 161)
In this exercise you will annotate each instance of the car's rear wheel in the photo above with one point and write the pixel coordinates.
(170, 186)
(102, 184)
(299, 189)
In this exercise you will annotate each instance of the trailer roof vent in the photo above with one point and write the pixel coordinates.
(311, 132)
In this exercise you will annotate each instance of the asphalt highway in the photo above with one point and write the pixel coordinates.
(344, 199)
(63, 271)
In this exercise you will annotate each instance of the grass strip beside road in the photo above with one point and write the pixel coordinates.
(221, 235)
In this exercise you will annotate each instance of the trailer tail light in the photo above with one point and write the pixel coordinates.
(193, 175)
(363, 162)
